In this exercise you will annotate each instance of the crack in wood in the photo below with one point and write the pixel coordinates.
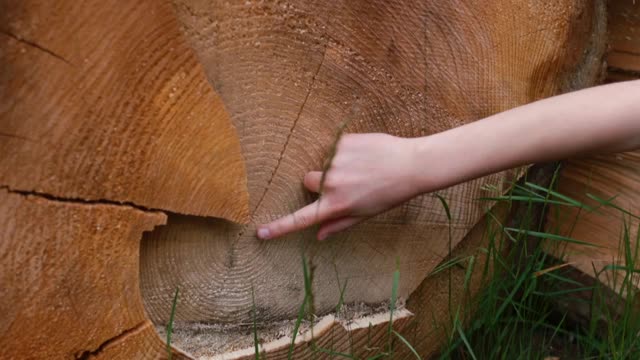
(79, 201)
(231, 257)
(293, 126)
(628, 72)
(626, 52)
(34, 45)
(87, 354)
(14, 136)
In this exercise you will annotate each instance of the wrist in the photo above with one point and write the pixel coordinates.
(428, 157)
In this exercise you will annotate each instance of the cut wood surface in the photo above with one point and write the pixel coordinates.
(427, 330)
(105, 100)
(69, 280)
(108, 128)
(609, 177)
(291, 74)
(363, 339)
(605, 176)
(624, 37)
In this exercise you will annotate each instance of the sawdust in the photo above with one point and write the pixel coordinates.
(206, 340)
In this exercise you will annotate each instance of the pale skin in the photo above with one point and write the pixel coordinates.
(371, 173)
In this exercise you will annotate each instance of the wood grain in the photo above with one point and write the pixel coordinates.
(104, 100)
(363, 338)
(290, 74)
(605, 176)
(70, 285)
(624, 37)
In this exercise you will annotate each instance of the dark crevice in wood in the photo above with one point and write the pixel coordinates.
(293, 126)
(79, 201)
(34, 45)
(627, 72)
(87, 354)
(14, 136)
(626, 52)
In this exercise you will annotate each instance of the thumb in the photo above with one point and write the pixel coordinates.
(312, 181)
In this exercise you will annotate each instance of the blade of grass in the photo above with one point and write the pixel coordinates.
(170, 324)
(333, 353)
(609, 203)
(301, 311)
(559, 196)
(465, 340)
(407, 344)
(550, 269)
(527, 199)
(392, 305)
(255, 325)
(550, 236)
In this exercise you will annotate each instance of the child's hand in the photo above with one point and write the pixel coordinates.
(370, 173)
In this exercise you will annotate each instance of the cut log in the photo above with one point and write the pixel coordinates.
(105, 100)
(609, 177)
(69, 280)
(624, 38)
(290, 75)
(360, 338)
(106, 115)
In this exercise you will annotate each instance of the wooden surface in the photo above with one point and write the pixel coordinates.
(624, 37)
(105, 100)
(605, 176)
(425, 321)
(105, 111)
(290, 75)
(364, 338)
(69, 280)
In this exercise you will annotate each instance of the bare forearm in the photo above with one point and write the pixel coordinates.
(601, 119)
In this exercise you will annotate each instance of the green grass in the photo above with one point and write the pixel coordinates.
(517, 315)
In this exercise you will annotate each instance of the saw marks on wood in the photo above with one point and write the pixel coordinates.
(105, 100)
(69, 274)
(291, 74)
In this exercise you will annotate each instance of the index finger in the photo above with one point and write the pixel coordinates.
(309, 215)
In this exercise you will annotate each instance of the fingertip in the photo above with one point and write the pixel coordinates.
(264, 233)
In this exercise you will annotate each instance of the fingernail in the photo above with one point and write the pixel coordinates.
(263, 233)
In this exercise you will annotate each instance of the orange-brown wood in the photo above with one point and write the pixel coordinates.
(609, 177)
(69, 275)
(605, 176)
(105, 100)
(624, 36)
(291, 74)
(103, 103)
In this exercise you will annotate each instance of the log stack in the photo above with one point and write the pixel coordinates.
(607, 183)
(143, 141)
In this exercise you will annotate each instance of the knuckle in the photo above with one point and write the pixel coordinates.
(340, 205)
